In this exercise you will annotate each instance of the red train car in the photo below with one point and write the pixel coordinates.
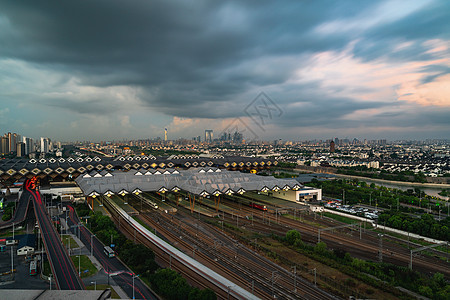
(257, 206)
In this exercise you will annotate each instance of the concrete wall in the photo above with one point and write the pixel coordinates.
(286, 195)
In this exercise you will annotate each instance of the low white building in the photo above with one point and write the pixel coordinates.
(303, 195)
(26, 244)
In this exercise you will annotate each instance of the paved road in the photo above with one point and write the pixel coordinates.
(65, 275)
(21, 212)
(110, 265)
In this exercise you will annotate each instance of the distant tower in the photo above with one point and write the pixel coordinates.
(165, 134)
(332, 147)
(208, 135)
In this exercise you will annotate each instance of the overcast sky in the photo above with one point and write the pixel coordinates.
(103, 70)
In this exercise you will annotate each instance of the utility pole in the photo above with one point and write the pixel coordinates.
(295, 278)
(12, 259)
(315, 276)
(92, 244)
(273, 272)
(381, 247)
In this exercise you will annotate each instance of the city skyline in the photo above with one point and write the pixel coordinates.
(112, 70)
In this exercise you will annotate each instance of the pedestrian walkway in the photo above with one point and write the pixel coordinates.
(101, 277)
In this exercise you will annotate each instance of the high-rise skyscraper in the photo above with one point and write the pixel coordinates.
(208, 135)
(332, 147)
(165, 134)
(28, 145)
(4, 145)
(45, 145)
(20, 149)
(11, 142)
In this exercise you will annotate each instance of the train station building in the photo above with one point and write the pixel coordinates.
(198, 181)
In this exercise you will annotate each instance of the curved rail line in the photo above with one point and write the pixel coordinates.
(218, 280)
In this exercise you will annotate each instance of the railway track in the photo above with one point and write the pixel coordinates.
(223, 253)
(367, 248)
(192, 269)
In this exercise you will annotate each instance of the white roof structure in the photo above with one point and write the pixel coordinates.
(200, 181)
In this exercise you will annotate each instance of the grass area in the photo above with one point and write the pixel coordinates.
(87, 268)
(114, 294)
(47, 270)
(68, 240)
(339, 218)
(404, 237)
(9, 233)
(312, 223)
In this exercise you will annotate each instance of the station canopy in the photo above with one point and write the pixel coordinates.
(199, 181)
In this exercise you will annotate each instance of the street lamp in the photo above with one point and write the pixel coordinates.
(134, 276)
(67, 225)
(92, 244)
(79, 229)
(79, 265)
(95, 285)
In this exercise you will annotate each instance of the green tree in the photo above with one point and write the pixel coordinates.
(170, 284)
(206, 294)
(426, 291)
(320, 248)
(292, 237)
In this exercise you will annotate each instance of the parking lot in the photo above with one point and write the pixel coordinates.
(354, 210)
(22, 278)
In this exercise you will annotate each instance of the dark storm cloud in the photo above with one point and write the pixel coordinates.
(91, 106)
(181, 49)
